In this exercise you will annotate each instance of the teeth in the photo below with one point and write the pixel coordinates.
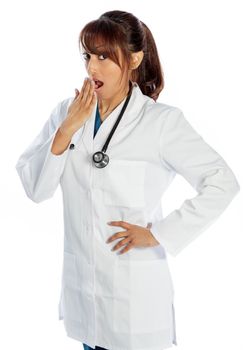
(98, 83)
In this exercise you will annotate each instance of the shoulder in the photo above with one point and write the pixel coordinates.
(168, 119)
(153, 108)
(161, 111)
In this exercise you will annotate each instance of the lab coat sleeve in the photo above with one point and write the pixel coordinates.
(184, 151)
(38, 168)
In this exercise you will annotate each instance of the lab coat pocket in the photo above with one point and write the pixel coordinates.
(124, 183)
(143, 296)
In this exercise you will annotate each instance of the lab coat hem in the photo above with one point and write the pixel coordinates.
(118, 303)
(73, 335)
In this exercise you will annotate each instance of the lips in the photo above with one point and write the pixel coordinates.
(98, 83)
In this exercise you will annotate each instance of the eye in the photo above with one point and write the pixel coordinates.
(103, 56)
(86, 56)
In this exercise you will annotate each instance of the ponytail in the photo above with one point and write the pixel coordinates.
(149, 74)
(123, 29)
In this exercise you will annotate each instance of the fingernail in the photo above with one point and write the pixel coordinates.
(109, 222)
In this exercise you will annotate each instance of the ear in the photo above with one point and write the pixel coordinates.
(137, 58)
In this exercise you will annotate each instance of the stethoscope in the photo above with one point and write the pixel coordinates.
(100, 158)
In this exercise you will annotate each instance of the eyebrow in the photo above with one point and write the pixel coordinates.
(98, 52)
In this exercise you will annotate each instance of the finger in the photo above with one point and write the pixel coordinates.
(86, 91)
(121, 243)
(94, 97)
(127, 248)
(117, 235)
(90, 93)
(76, 93)
(123, 224)
(85, 83)
(83, 88)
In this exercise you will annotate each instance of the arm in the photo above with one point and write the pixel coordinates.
(61, 141)
(184, 151)
(39, 169)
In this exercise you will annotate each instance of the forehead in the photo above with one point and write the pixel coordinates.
(100, 45)
(99, 48)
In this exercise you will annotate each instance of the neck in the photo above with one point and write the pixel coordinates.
(107, 106)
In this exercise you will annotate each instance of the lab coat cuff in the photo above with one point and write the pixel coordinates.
(53, 163)
(156, 230)
(41, 172)
(56, 160)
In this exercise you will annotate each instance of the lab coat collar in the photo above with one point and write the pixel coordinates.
(85, 134)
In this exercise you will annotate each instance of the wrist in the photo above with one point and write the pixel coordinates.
(153, 240)
(66, 132)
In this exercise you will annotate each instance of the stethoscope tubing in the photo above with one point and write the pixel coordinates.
(100, 158)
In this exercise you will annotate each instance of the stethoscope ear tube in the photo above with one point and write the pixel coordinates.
(100, 158)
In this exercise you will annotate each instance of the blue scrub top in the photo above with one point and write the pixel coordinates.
(98, 121)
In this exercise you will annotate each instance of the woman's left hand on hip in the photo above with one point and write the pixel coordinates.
(134, 236)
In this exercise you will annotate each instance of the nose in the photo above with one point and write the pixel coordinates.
(92, 66)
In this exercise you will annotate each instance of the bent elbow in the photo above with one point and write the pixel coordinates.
(235, 188)
(36, 199)
(42, 195)
(231, 186)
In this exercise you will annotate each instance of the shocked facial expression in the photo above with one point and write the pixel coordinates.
(107, 75)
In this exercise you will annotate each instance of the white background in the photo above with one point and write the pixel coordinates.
(200, 47)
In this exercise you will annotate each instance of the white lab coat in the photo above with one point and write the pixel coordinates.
(125, 302)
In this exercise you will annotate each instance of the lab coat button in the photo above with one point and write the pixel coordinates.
(72, 146)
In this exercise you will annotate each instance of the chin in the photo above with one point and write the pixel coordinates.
(104, 94)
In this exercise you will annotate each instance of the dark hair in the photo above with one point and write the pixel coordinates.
(122, 29)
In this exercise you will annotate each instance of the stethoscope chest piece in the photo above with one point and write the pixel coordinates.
(100, 159)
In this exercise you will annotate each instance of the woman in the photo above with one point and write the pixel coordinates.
(109, 300)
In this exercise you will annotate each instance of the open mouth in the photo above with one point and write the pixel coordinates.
(98, 84)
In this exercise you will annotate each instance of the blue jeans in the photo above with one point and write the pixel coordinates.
(86, 347)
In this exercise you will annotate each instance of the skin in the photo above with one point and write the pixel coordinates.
(113, 91)
(134, 236)
(109, 96)
(78, 112)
